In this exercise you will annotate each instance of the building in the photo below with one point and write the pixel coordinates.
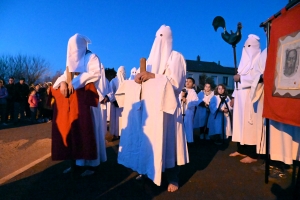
(220, 74)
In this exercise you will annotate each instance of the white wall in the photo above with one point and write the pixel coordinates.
(218, 78)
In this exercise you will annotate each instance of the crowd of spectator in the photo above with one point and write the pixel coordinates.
(17, 107)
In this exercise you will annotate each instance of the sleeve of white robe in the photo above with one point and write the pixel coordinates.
(92, 75)
(246, 80)
(233, 94)
(259, 70)
(60, 79)
(192, 99)
(175, 71)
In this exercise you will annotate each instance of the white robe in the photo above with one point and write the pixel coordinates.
(202, 113)
(108, 111)
(216, 125)
(110, 96)
(92, 74)
(284, 138)
(257, 99)
(284, 142)
(244, 131)
(115, 112)
(189, 108)
(152, 129)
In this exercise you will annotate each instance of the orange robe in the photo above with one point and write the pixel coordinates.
(72, 127)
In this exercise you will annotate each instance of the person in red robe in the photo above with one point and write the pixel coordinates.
(76, 134)
(72, 128)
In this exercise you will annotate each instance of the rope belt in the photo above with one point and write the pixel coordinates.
(243, 88)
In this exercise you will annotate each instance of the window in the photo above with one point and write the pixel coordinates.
(225, 80)
(215, 78)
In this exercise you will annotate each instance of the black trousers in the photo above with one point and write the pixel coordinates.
(249, 150)
(10, 110)
(172, 174)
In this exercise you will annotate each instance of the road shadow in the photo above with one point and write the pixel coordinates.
(293, 190)
(51, 183)
(201, 153)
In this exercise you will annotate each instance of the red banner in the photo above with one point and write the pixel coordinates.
(282, 88)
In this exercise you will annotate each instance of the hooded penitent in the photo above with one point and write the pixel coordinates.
(76, 50)
(244, 126)
(152, 128)
(161, 50)
(121, 74)
(250, 54)
(132, 74)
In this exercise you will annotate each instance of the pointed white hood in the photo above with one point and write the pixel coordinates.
(161, 50)
(121, 74)
(250, 54)
(132, 73)
(76, 50)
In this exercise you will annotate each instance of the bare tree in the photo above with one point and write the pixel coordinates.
(32, 68)
(110, 73)
(56, 75)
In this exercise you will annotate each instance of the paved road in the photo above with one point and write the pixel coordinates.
(22, 146)
(211, 174)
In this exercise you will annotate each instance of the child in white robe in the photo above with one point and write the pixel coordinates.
(189, 104)
(202, 110)
(219, 122)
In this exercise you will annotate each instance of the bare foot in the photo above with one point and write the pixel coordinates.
(236, 154)
(248, 160)
(172, 187)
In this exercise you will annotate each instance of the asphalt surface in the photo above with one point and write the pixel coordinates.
(211, 174)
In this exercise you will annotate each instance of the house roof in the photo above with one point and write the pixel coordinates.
(207, 67)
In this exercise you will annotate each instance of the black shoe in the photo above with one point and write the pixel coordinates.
(115, 138)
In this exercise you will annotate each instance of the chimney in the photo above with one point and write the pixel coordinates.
(218, 62)
(198, 58)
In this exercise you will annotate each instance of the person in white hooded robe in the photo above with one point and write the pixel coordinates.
(284, 138)
(115, 110)
(132, 74)
(244, 130)
(88, 70)
(153, 140)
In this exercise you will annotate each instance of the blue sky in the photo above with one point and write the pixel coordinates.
(123, 31)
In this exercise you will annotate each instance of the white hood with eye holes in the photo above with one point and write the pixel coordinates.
(250, 54)
(161, 50)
